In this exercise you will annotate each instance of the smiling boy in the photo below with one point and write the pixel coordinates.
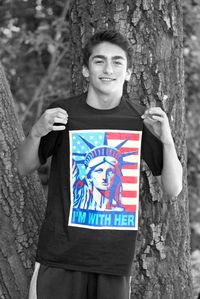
(107, 71)
(84, 254)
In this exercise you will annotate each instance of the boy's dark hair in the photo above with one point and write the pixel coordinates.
(113, 37)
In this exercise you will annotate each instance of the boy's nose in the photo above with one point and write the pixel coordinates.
(108, 69)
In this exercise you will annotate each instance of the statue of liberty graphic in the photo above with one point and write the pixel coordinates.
(101, 187)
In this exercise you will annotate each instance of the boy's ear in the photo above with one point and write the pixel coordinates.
(128, 74)
(85, 71)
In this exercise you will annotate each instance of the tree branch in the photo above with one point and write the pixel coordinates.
(55, 60)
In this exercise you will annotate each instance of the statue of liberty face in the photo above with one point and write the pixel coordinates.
(102, 173)
(103, 176)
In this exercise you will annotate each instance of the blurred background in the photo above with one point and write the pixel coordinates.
(35, 52)
(191, 27)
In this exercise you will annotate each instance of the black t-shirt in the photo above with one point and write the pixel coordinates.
(91, 218)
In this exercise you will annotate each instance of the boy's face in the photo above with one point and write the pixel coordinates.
(107, 69)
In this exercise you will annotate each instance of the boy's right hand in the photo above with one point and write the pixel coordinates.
(53, 119)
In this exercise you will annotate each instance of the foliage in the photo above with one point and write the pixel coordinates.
(35, 52)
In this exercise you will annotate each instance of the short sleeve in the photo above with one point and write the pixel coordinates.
(152, 152)
(50, 142)
(48, 145)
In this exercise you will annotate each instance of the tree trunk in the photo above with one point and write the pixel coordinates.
(21, 205)
(162, 263)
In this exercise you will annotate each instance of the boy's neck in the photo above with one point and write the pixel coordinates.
(102, 101)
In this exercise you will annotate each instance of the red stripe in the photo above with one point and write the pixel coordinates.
(131, 166)
(130, 208)
(123, 136)
(129, 149)
(129, 179)
(132, 194)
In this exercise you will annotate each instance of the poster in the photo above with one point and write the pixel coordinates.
(104, 179)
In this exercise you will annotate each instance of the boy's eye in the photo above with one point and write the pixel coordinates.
(117, 62)
(98, 61)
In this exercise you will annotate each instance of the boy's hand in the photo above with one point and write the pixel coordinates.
(53, 119)
(158, 120)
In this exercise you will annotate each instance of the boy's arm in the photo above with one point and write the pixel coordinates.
(28, 159)
(171, 177)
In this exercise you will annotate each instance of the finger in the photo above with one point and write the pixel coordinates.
(149, 116)
(60, 120)
(57, 110)
(150, 121)
(155, 110)
(156, 117)
(62, 112)
(58, 128)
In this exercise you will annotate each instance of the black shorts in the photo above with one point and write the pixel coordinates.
(56, 283)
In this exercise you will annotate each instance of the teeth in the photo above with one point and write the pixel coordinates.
(107, 79)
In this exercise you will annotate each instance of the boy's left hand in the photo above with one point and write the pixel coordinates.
(157, 119)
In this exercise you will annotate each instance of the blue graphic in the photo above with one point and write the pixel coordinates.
(109, 219)
(96, 179)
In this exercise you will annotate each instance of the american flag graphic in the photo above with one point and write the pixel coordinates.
(130, 172)
(125, 146)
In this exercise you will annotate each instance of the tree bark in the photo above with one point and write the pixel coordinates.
(162, 264)
(21, 205)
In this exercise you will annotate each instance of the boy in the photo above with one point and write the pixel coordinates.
(98, 136)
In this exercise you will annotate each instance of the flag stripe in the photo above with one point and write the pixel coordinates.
(129, 187)
(128, 179)
(128, 143)
(129, 201)
(129, 172)
(131, 208)
(129, 194)
(129, 149)
(131, 166)
(123, 136)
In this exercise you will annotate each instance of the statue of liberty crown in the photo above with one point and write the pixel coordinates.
(104, 150)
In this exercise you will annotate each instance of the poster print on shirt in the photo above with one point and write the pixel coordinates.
(104, 179)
